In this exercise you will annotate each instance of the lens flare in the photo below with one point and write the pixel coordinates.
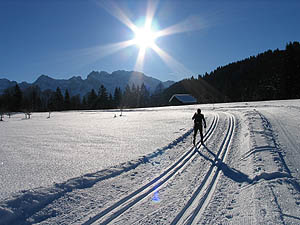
(144, 37)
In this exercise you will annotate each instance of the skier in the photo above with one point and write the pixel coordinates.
(198, 118)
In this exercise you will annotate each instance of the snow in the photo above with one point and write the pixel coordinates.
(85, 167)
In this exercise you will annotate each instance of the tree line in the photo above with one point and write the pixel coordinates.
(272, 75)
(33, 99)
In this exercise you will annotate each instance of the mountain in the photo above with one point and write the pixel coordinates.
(76, 85)
(5, 83)
(121, 78)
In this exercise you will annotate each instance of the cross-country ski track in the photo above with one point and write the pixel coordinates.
(201, 196)
(129, 201)
(197, 202)
(246, 172)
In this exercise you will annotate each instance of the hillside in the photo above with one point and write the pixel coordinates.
(199, 88)
(268, 76)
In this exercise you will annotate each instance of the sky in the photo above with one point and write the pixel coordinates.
(66, 38)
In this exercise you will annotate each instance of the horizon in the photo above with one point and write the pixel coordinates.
(190, 38)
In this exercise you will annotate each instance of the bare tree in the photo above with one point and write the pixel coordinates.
(27, 114)
(2, 112)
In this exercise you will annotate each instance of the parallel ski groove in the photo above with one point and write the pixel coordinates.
(198, 202)
(127, 202)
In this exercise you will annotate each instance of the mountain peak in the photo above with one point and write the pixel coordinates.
(76, 78)
(43, 78)
(97, 75)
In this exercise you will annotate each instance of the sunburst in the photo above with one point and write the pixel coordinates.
(145, 36)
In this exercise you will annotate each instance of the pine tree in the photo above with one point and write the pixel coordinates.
(126, 96)
(292, 69)
(110, 101)
(59, 100)
(17, 99)
(117, 97)
(75, 102)
(32, 100)
(2, 107)
(92, 99)
(84, 103)
(144, 96)
(67, 101)
(103, 98)
(134, 96)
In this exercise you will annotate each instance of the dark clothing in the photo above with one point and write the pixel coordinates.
(198, 118)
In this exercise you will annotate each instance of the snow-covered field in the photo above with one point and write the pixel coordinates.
(86, 167)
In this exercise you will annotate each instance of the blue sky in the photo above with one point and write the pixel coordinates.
(65, 38)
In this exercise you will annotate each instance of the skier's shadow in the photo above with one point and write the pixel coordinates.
(229, 172)
(204, 156)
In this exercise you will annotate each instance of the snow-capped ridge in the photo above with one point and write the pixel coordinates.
(78, 86)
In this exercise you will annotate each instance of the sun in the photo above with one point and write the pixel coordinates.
(145, 32)
(144, 37)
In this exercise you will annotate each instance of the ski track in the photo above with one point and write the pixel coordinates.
(267, 195)
(290, 142)
(198, 202)
(24, 205)
(112, 212)
(203, 193)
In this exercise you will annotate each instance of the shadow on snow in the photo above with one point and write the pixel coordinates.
(237, 175)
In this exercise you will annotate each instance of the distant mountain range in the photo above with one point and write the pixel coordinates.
(77, 85)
